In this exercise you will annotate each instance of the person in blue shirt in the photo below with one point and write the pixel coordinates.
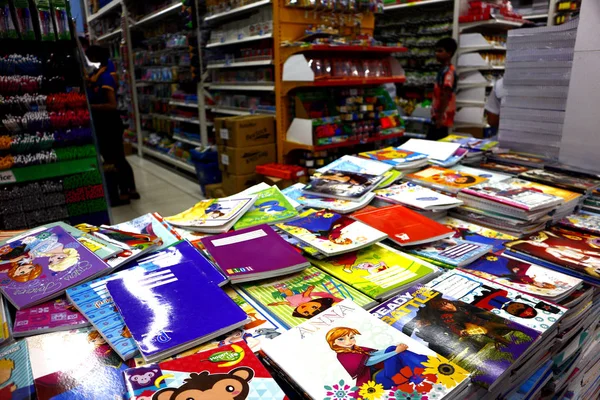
(108, 126)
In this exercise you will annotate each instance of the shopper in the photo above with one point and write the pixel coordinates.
(443, 106)
(494, 102)
(110, 66)
(108, 125)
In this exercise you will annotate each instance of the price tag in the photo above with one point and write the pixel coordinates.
(224, 133)
(7, 177)
(224, 159)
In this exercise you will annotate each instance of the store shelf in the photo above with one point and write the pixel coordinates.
(390, 7)
(168, 159)
(494, 23)
(290, 146)
(241, 87)
(535, 16)
(290, 85)
(481, 68)
(415, 119)
(48, 171)
(240, 64)
(488, 47)
(188, 141)
(239, 111)
(181, 119)
(183, 104)
(109, 35)
(107, 8)
(468, 85)
(237, 10)
(242, 40)
(291, 50)
(159, 14)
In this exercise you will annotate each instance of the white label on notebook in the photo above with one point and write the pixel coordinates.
(7, 177)
(224, 133)
(225, 159)
(239, 238)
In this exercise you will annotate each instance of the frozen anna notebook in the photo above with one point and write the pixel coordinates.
(346, 353)
(40, 264)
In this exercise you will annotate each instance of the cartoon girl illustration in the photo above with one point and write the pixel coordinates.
(454, 178)
(24, 272)
(59, 257)
(102, 350)
(214, 211)
(344, 177)
(365, 364)
(308, 303)
(347, 261)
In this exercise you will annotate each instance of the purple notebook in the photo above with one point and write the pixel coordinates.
(51, 316)
(173, 309)
(254, 253)
(40, 264)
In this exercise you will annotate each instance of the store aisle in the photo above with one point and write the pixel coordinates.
(162, 191)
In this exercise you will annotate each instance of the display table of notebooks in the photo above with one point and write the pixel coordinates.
(393, 274)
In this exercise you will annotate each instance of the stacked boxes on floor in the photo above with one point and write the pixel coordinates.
(243, 143)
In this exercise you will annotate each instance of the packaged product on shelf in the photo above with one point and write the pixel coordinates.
(23, 20)
(43, 14)
(7, 25)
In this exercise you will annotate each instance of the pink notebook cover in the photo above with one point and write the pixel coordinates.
(53, 315)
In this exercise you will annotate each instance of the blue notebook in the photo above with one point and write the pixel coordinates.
(173, 309)
(452, 252)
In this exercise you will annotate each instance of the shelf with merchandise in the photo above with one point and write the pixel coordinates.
(234, 12)
(110, 35)
(496, 24)
(114, 5)
(398, 5)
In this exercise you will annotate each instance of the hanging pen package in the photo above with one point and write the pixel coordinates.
(61, 19)
(43, 19)
(7, 25)
(23, 19)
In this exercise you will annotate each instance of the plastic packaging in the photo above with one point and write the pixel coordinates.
(23, 20)
(44, 19)
(61, 19)
(7, 26)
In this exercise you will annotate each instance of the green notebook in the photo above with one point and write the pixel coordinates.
(270, 207)
(377, 271)
(296, 298)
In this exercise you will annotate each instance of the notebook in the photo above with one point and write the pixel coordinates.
(164, 310)
(434, 150)
(356, 164)
(491, 177)
(228, 372)
(417, 196)
(404, 226)
(214, 215)
(41, 263)
(505, 168)
(584, 222)
(342, 185)
(75, 364)
(557, 179)
(253, 253)
(331, 233)
(377, 271)
(16, 378)
(445, 179)
(99, 247)
(477, 233)
(295, 298)
(452, 252)
(152, 223)
(481, 342)
(347, 353)
(341, 206)
(270, 207)
(51, 316)
(396, 157)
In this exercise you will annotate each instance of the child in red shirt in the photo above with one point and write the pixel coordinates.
(443, 106)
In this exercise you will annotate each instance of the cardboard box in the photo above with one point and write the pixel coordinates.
(245, 131)
(280, 183)
(214, 191)
(243, 160)
(233, 184)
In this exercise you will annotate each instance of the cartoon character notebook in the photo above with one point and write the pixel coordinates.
(481, 342)
(566, 195)
(557, 179)
(584, 222)
(529, 311)
(51, 316)
(476, 233)
(356, 164)
(75, 364)
(270, 207)
(452, 252)
(103, 249)
(377, 271)
(347, 353)
(173, 309)
(341, 206)
(16, 378)
(229, 372)
(151, 223)
(342, 184)
(506, 168)
(489, 175)
(296, 298)
(394, 155)
(331, 233)
(417, 196)
(445, 179)
(40, 264)
(523, 276)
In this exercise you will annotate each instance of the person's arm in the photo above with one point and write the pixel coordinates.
(492, 108)
(111, 98)
(444, 100)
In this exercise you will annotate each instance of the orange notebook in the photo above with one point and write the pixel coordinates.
(445, 179)
(404, 226)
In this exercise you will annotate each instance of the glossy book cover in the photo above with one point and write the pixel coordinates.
(506, 168)
(478, 340)
(53, 315)
(417, 196)
(331, 233)
(75, 365)
(477, 233)
(151, 223)
(103, 249)
(585, 222)
(566, 195)
(569, 182)
(453, 252)
(394, 155)
(348, 185)
(298, 297)
(212, 213)
(270, 207)
(489, 175)
(445, 179)
(342, 206)
(523, 276)
(42, 263)
(16, 378)
(163, 309)
(231, 372)
(377, 271)
(529, 311)
(346, 353)
(356, 164)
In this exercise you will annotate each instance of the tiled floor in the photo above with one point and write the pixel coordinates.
(162, 190)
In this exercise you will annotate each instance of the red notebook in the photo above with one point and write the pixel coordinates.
(404, 226)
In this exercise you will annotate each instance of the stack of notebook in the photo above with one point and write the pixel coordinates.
(417, 197)
(397, 157)
(446, 180)
(342, 206)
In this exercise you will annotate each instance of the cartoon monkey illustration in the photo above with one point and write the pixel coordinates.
(206, 386)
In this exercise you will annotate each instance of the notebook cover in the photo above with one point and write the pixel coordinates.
(331, 233)
(251, 251)
(506, 168)
(342, 206)
(529, 311)
(566, 195)
(353, 355)
(57, 314)
(446, 179)
(403, 225)
(75, 364)
(434, 150)
(270, 207)
(16, 378)
(523, 276)
(356, 164)
(375, 270)
(229, 372)
(212, 213)
(416, 196)
(568, 182)
(296, 298)
(589, 223)
(476, 233)
(99, 247)
(44, 262)
(389, 178)
(393, 155)
(151, 223)
(489, 175)
(451, 251)
(479, 341)
(162, 308)
(350, 185)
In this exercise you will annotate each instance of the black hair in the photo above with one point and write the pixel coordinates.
(84, 41)
(324, 303)
(98, 54)
(447, 44)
